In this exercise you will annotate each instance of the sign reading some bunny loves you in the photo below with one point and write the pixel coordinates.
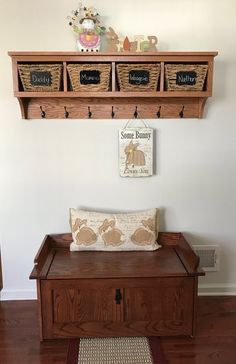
(136, 152)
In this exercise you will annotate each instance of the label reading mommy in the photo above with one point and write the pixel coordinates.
(89, 77)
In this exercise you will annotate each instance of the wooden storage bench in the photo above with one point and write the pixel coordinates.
(88, 294)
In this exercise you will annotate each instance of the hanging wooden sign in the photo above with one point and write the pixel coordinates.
(136, 152)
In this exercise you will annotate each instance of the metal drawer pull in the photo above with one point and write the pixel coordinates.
(118, 296)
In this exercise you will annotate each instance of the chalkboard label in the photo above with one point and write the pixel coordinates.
(88, 77)
(186, 78)
(138, 77)
(38, 78)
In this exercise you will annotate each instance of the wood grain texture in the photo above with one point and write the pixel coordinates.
(82, 305)
(123, 108)
(214, 342)
(65, 78)
(23, 102)
(215, 335)
(15, 75)
(38, 286)
(19, 336)
(1, 279)
(43, 259)
(103, 103)
(158, 307)
(150, 307)
(117, 56)
(113, 77)
(89, 265)
(78, 290)
(64, 240)
(58, 244)
(112, 94)
(162, 77)
(187, 256)
(210, 76)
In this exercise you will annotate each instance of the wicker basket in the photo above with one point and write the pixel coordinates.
(129, 80)
(185, 77)
(89, 77)
(40, 77)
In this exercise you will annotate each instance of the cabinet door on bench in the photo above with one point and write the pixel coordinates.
(159, 306)
(164, 308)
(71, 309)
(82, 305)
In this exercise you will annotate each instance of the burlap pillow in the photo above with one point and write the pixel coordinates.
(126, 231)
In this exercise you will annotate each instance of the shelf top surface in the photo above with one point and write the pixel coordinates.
(120, 54)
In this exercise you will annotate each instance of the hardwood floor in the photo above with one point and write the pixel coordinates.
(215, 341)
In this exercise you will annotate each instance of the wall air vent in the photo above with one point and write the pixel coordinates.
(209, 257)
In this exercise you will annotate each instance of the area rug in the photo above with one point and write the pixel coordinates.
(121, 350)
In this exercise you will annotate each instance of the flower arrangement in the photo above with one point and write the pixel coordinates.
(85, 21)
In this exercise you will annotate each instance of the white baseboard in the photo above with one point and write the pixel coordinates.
(217, 289)
(14, 295)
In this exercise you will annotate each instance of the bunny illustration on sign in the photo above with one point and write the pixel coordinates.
(134, 156)
(136, 151)
(144, 236)
(86, 235)
(110, 234)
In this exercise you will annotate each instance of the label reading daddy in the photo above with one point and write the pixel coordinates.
(38, 78)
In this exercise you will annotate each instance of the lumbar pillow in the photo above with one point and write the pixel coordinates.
(126, 231)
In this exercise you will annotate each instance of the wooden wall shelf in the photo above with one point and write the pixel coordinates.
(113, 103)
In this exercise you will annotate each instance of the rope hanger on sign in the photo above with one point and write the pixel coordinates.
(138, 117)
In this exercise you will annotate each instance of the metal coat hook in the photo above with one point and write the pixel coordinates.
(112, 113)
(43, 113)
(181, 114)
(89, 112)
(66, 113)
(159, 112)
(136, 112)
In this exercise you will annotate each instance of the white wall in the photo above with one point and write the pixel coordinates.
(47, 166)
